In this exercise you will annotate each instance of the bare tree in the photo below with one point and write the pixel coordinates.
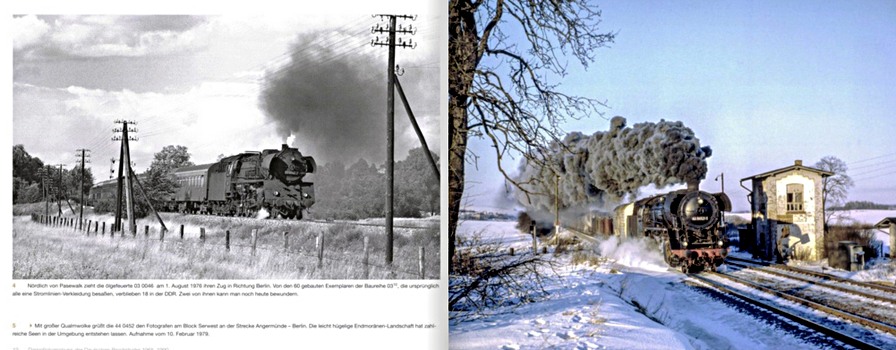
(835, 187)
(503, 88)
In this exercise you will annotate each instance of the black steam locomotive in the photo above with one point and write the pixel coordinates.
(240, 185)
(688, 225)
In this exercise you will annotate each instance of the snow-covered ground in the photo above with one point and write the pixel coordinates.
(629, 300)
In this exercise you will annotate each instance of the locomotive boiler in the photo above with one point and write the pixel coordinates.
(244, 184)
(688, 226)
(239, 185)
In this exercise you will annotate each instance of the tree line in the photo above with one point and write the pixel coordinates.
(358, 191)
(349, 192)
(33, 181)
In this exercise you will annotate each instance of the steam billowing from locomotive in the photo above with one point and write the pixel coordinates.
(325, 99)
(333, 98)
(598, 171)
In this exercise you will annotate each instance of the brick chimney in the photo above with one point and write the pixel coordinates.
(798, 162)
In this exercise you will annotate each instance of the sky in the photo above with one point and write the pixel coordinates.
(763, 83)
(203, 81)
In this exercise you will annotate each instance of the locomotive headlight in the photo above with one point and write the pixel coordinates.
(684, 244)
(276, 193)
(721, 243)
(305, 195)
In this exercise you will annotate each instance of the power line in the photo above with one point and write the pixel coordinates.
(872, 158)
(876, 176)
(874, 165)
(875, 170)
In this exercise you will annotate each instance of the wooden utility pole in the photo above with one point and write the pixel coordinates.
(557, 206)
(58, 190)
(407, 108)
(43, 181)
(81, 189)
(151, 207)
(125, 174)
(392, 29)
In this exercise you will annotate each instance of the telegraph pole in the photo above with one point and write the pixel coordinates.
(43, 181)
(81, 188)
(124, 178)
(392, 29)
(58, 191)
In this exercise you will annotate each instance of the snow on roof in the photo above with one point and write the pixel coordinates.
(885, 223)
(797, 165)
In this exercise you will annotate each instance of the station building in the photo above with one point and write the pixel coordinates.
(788, 213)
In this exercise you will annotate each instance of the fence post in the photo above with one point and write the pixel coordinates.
(320, 250)
(202, 235)
(286, 241)
(422, 263)
(227, 240)
(181, 232)
(254, 240)
(162, 238)
(104, 228)
(146, 231)
(366, 257)
(88, 227)
(534, 240)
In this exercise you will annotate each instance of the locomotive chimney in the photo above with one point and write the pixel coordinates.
(693, 185)
(284, 147)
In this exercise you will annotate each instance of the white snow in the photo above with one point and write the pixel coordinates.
(630, 300)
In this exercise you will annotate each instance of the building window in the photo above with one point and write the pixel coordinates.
(794, 197)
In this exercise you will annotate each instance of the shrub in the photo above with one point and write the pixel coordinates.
(856, 232)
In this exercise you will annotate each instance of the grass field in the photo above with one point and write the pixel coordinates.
(42, 252)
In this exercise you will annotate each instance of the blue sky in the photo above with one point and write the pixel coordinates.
(761, 82)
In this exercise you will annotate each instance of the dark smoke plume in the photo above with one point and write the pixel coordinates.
(334, 102)
(597, 172)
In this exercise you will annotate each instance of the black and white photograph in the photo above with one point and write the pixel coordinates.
(291, 146)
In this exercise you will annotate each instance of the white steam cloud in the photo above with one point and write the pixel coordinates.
(597, 172)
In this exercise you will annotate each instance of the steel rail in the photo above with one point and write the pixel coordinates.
(772, 271)
(821, 275)
(817, 306)
(827, 331)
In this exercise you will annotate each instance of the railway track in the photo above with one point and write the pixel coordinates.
(819, 275)
(367, 224)
(795, 317)
(325, 222)
(849, 312)
(861, 290)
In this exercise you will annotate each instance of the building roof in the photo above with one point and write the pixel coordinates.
(885, 223)
(797, 165)
(192, 168)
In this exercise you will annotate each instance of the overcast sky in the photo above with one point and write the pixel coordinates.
(197, 81)
(761, 82)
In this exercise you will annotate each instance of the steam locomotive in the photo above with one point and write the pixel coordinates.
(688, 226)
(240, 185)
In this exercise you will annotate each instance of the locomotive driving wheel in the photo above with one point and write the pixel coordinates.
(670, 258)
